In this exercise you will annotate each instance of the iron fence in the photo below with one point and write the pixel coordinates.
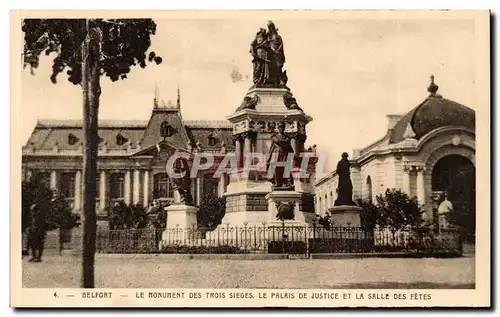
(279, 239)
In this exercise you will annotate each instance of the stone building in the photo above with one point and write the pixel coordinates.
(425, 152)
(132, 156)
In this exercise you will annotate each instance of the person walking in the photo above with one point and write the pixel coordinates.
(36, 233)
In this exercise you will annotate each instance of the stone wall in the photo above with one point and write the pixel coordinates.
(246, 202)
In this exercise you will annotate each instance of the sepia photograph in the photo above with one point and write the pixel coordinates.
(250, 159)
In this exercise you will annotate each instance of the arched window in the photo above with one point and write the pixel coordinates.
(319, 205)
(326, 203)
(369, 187)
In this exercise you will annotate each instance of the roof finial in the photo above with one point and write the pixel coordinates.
(157, 93)
(433, 88)
(178, 97)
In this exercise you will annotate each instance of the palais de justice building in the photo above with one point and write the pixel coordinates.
(425, 152)
(132, 156)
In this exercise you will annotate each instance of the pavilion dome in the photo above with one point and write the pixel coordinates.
(434, 112)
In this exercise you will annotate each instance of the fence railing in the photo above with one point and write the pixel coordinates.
(278, 239)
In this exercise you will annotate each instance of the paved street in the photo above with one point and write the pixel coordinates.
(161, 272)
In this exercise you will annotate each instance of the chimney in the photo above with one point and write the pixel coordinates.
(392, 119)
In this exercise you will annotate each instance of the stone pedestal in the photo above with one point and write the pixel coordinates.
(181, 225)
(181, 216)
(246, 199)
(293, 199)
(343, 216)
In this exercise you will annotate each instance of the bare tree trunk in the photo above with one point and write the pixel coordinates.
(91, 93)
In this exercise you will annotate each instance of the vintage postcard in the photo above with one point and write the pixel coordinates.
(250, 159)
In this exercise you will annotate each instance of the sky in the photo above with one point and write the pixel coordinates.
(347, 74)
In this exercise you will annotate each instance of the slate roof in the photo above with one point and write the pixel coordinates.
(67, 134)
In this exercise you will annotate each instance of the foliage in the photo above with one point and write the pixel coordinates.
(397, 210)
(58, 213)
(123, 216)
(369, 215)
(62, 215)
(220, 249)
(324, 221)
(211, 211)
(124, 43)
(157, 216)
(290, 247)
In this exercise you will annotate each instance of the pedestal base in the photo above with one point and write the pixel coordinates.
(181, 216)
(292, 199)
(343, 216)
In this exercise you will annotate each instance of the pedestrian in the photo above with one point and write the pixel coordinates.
(30, 234)
(36, 233)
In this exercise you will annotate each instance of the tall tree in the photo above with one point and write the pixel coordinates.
(88, 49)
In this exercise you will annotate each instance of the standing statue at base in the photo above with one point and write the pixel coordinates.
(183, 184)
(280, 149)
(344, 190)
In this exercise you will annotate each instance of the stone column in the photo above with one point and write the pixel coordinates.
(78, 190)
(406, 179)
(102, 190)
(137, 184)
(126, 190)
(53, 180)
(238, 151)
(420, 184)
(198, 189)
(222, 184)
(247, 148)
(145, 188)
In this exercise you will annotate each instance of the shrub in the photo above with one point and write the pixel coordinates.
(290, 247)
(57, 212)
(210, 213)
(123, 216)
(395, 209)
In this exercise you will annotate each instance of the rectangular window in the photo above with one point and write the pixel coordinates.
(163, 187)
(67, 185)
(116, 186)
(210, 185)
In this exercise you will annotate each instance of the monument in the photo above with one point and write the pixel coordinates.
(344, 211)
(182, 213)
(269, 121)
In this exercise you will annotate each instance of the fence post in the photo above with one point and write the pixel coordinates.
(283, 236)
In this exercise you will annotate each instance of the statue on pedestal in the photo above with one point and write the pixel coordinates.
(268, 58)
(183, 184)
(280, 149)
(344, 189)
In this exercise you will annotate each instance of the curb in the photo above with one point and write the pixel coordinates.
(265, 256)
(173, 256)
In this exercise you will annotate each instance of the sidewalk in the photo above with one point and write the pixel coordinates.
(164, 272)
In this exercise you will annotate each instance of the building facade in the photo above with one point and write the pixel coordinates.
(426, 152)
(132, 156)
